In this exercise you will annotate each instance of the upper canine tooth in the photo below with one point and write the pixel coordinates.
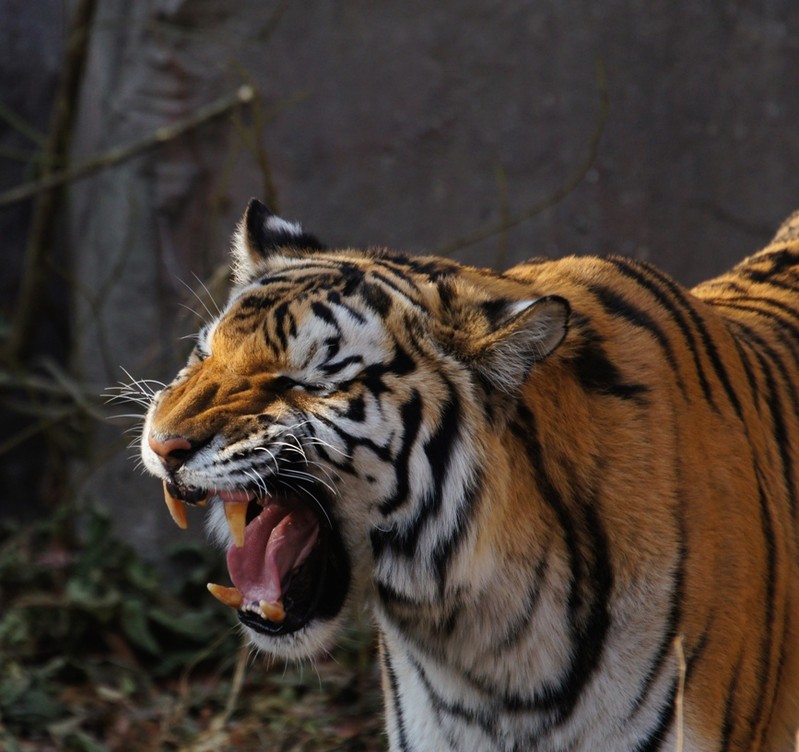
(230, 596)
(176, 508)
(236, 513)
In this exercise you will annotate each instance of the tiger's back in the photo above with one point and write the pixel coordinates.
(568, 492)
(705, 390)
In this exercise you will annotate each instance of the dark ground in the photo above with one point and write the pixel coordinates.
(98, 651)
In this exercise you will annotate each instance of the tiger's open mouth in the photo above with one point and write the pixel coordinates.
(287, 561)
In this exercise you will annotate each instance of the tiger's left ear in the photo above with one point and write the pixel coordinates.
(524, 332)
(262, 233)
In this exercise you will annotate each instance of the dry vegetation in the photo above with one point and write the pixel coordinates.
(95, 654)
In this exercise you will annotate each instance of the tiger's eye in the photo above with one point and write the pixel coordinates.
(283, 384)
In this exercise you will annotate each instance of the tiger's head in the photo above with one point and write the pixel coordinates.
(341, 416)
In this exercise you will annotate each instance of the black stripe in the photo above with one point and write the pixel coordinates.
(351, 442)
(446, 547)
(779, 261)
(762, 677)
(323, 312)
(751, 379)
(591, 582)
(675, 607)
(372, 376)
(764, 278)
(356, 410)
(433, 268)
(485, 719)
(335, 299)
(330, 369)
(754, 306)
(394, 699)
(657, 736)
(707, 341)
(411, 421)
(403, 611)
(376, 298)
(619, 306)
(394, 286)
(723, 285)
(517, 628)
(777, 410)
(666, 298)
(731, 709)
(439, 447)
(708, 344)
(597, 373)
(780, 664)
(282, 313)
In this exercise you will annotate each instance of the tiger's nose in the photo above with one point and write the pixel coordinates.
(173, 451)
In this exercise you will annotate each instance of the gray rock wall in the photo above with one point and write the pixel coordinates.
(31, 53)
(411, 125)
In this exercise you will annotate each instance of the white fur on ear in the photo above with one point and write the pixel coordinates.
(243, 262)
(278, 225)
(530, 332)
(261, 233)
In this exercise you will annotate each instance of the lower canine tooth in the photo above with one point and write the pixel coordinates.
(272, 611)
(176, 508)
(236, 513)
(230, 596)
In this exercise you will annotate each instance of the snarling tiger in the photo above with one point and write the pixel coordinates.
(568, 492)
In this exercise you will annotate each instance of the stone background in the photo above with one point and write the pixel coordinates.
(407, 124)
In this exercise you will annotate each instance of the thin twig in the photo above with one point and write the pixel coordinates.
(22, 126)
(679, 701)
(28, 306)
(122, 153)
(556, 196)
(238, 680)
(501, 258)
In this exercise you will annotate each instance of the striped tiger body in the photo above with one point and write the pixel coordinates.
(568, 492)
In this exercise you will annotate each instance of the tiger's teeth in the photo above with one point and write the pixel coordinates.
(176, 508)
(273, 611)
(201, 502)
(236, 513)
(230, 596)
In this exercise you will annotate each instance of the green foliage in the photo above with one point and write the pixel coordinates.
(101, 652)
(93, 613)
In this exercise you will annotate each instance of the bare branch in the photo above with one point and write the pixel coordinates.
(119, 154)
(45, 209)
(556, 196)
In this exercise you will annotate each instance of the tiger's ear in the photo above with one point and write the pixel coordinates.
(260, 234)
(523, 332)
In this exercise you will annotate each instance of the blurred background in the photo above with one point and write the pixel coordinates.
(132, 135)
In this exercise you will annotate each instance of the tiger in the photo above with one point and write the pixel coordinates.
(566, 493)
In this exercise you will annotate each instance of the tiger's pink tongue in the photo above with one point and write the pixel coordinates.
(276, 542)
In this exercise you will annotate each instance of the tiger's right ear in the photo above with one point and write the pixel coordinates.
(259, 235)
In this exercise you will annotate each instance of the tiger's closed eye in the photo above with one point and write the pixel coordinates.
(282, 384)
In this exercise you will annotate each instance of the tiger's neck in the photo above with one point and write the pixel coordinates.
(493, 606)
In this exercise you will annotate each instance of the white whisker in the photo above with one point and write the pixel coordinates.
(199, 299)
(208, 292)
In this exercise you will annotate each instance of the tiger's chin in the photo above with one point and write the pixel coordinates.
(287, 562)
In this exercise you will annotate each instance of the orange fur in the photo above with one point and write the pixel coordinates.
(643, 464)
